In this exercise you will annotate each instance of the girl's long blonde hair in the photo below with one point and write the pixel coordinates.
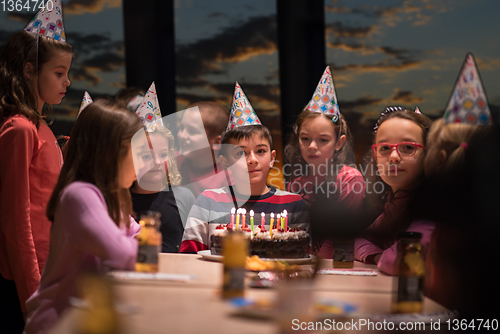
(173, 175)
(453, 138)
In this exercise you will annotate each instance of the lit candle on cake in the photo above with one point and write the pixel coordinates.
(262, 220)
(286, 219)
(278, 221)
(251, 223)
(243, 217)
(271, 224)
(233, 210)
(238, 218)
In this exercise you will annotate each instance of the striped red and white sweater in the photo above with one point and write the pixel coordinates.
(213, 207)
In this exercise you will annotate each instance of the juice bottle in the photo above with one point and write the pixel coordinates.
(409, 268)
(234, 251)
(343, 253)
(150, 240)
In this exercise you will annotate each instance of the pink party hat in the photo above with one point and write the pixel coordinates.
(85, 102)
(324, 98)
(49, 21)
(468, 102)
(242, 112)
(149, 110)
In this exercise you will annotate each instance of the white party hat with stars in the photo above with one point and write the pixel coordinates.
(149, 110)
(324, 99)
(242, 112)
(49, 21)
(85, 102)
(468, 102)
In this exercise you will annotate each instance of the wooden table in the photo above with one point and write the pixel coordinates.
(209, 274)
(196, 307)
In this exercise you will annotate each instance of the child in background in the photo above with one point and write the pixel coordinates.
(248, 149)
(33, 72)
(397, 155)
(447, 146)
(198, 164)
(130, 97)
(320, 151)
(462, 198)
(157, 183)
(89, 209)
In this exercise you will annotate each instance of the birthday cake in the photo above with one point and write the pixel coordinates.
(280, 244)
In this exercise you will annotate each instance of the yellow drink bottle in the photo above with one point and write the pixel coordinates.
(234, 251)
(150, 240)
(409, 268)
(343, 253)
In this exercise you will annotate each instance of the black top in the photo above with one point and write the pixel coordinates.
(174, 206)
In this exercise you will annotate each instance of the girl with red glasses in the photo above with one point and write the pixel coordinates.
(395, 168)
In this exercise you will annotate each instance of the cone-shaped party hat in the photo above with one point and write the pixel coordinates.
(242, 112)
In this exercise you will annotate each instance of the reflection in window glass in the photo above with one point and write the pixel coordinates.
(221, 42)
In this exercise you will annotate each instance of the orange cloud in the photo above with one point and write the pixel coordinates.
(246, 52)
(78, 7)
(405, 97)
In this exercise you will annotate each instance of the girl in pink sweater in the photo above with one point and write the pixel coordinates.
(90, 210)
(395, 168)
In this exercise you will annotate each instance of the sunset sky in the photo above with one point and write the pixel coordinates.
(384, 52)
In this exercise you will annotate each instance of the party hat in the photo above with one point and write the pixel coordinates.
(49, 21)
(324, 98)
(242, 112)
(468, 102)
(149, 110)
(85, 102)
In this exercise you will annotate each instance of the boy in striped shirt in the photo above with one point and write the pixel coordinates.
(247, 154)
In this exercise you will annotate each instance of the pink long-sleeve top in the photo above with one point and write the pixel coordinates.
(350, 187)
(83, 238)
(381, 236)
(30, 162)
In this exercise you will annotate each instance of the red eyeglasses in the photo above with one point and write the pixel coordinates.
(404, 149)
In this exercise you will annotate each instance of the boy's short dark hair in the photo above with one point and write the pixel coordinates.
(124, 95)
(214, 117)
(246, 132)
